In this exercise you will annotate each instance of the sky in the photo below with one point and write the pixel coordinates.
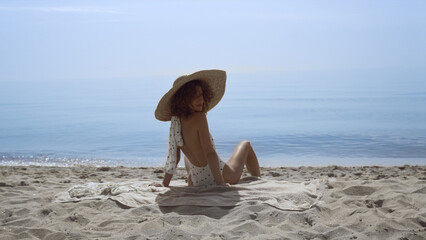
(75, 40)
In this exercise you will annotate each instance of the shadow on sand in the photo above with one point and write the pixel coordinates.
(214, 202)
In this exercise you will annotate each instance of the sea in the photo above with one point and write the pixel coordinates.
(290, 118)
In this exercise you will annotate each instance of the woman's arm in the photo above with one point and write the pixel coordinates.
(208, 149)
(168, 176)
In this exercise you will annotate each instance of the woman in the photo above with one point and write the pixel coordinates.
(186, 105)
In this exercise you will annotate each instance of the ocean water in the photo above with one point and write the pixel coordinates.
(290, 119)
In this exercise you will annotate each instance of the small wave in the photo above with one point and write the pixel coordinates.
(43, 160)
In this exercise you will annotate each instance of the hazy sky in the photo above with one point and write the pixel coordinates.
(68, 40)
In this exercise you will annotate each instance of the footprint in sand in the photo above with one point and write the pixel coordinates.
(422, 190)
(359, 190)
(78, 218)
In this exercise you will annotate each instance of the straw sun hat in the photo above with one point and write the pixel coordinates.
(216, 79)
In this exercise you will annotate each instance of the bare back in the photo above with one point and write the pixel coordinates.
(196, 138)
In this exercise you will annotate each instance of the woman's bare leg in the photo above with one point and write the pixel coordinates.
(243, 155)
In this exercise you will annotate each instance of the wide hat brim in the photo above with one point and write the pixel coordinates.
(216, 79)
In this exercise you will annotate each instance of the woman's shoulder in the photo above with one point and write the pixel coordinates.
(199, 115)
(197, 118)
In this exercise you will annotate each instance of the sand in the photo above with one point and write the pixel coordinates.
(369, 202)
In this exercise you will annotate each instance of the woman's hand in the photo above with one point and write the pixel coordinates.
(156, 184)
(225, 185)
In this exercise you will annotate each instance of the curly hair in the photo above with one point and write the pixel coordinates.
(183, 97)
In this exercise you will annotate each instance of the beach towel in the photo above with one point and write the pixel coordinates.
(293, 196)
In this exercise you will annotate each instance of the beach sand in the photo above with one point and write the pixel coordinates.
(369, 202)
